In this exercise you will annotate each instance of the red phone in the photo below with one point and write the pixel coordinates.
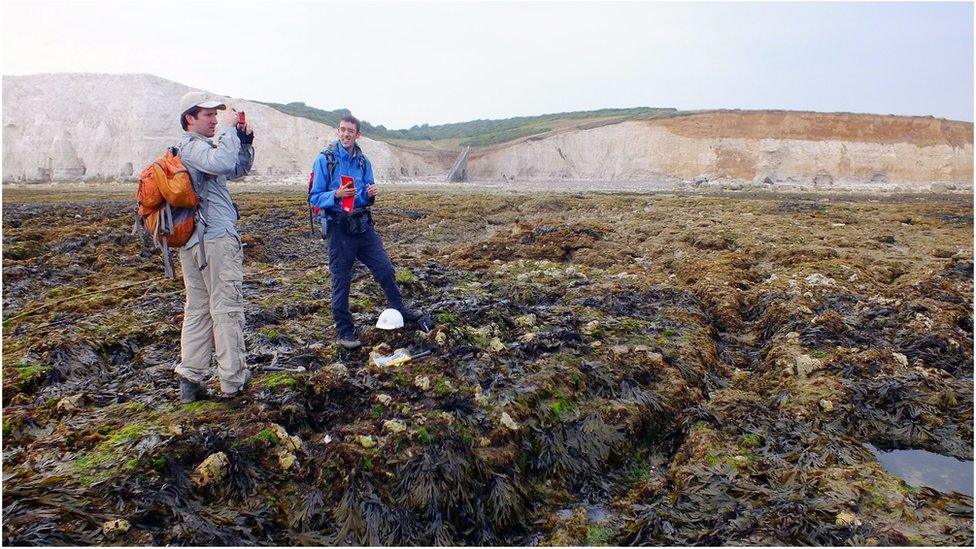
(241, 119)
(349, 201)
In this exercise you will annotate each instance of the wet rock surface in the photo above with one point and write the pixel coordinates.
(623, 369)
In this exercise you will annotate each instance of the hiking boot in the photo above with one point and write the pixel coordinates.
(350, 342)
(410, 315)
(423, 321)
(247, 378)
(190, 391)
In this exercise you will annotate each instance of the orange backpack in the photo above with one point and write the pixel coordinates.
(167, 204)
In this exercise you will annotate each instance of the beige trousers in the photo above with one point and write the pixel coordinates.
(213, 317)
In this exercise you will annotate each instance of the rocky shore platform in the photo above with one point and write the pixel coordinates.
(606, 368)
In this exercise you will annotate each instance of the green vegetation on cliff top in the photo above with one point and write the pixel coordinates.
(482, 132)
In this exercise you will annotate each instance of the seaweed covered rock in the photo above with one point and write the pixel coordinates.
(612, 369)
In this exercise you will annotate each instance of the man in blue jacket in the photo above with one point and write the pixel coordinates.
(350, 234)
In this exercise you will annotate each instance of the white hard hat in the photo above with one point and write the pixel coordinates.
(390, 319)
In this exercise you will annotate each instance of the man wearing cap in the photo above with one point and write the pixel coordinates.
(212, 260)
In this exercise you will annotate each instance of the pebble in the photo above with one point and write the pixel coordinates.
(619, 350)
(496, 345)
(846, 518)
(366, 441)
(806, 364)
(817, 279)
(286, 459)
(422, 382)
(526, 321)
(289, 442)
(656, 359)
(337, 369)
(508, 422)
(211, 470)
(112, 528)
(591, 327)
(71, 403)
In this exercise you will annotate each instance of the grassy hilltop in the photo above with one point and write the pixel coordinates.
(479, 133)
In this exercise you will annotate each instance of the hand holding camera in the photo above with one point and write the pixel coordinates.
(244, 131)
(229, 118)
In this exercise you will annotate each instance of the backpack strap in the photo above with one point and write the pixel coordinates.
(202, 220)
(164, 228)
(330, 164)
(330, 168)
(362, 169)
(203, 199)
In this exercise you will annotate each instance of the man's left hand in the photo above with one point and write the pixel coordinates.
(371, 190)
(245, 133)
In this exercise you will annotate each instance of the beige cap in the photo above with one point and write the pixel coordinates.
(200, 99)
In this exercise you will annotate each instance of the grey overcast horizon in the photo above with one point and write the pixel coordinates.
(408, 63)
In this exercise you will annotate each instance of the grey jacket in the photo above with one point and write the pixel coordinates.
(218, 162)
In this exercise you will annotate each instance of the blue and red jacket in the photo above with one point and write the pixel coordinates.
(355, 165)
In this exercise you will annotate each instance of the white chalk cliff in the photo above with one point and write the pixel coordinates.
(769, 147)
(102, 126)
(98, 126)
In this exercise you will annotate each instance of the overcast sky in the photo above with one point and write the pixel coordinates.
(401, 64)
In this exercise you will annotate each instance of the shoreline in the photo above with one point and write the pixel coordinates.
(861, 192)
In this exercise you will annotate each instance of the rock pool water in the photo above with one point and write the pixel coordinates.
(921, 468)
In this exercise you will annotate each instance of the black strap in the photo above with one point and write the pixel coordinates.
(165, 227)
(330, 165)
(202, 221)
(167, 265)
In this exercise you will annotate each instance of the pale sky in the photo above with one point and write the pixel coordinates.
(401, 64)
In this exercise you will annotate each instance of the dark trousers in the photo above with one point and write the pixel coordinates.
(367, 247)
